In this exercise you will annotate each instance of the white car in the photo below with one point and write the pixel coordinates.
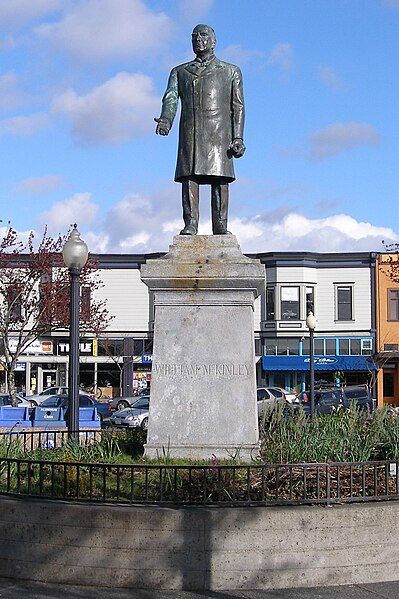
(279, 392)
(266, 398)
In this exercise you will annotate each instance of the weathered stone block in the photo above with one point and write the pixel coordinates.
(203, 387)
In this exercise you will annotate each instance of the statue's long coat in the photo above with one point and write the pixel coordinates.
(212, 115)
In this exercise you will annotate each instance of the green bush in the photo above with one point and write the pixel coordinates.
(351, 435)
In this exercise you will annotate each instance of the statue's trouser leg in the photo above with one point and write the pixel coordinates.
(190, 200)
(220, 207)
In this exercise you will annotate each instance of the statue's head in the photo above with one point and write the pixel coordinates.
(203, 38)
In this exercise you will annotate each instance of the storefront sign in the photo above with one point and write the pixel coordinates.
(332, 363)
(85, 348)
(20, 367)
(146, 359)
(40, 347)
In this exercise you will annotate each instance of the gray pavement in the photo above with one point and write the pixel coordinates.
(11, 589)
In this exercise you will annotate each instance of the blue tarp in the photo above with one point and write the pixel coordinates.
(320, 363)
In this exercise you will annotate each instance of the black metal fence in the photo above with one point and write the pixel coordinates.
(29, 440)
(238, 485)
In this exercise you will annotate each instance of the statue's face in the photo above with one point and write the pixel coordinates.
(203, 39)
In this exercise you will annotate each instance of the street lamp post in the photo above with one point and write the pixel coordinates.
(311, 324)
(75, 254)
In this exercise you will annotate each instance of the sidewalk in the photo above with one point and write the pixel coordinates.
(10, 589)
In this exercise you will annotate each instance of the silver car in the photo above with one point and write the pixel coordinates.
(134, 417)
(118, 403)
(37, 400)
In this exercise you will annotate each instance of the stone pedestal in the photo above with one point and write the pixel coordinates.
(203, 386)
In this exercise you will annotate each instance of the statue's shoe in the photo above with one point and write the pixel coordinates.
(189, 230)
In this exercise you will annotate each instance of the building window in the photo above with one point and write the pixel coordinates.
(390, 347)
(290, 303)
(318, 347)
(393, 304)
(389, 384)
(344, 347)
(367, 347)
(270, 309)
(355, 347)
(85, 300)
(309, 300)
(287, 346)
(14, 303)
(344, 302)
(331, 348)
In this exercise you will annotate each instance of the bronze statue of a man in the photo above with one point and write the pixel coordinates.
(211, 128)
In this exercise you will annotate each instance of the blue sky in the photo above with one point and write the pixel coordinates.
(81, 81)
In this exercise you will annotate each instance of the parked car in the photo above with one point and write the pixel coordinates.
(39, 398)
(119, 403)
(23, 402)
(360, 395)
(61, 401)
(266, 399)
(279, 393)
(133, 417)
(336, 398)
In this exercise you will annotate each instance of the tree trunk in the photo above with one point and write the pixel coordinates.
(11, 386)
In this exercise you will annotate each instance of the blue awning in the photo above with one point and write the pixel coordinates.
(270, 363)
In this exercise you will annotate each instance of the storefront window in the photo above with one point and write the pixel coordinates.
(330, 347)
(287, 346)
(270, 347)
(389, 384)
(289, 303)
(344, 347)
(319, 347)
(355, 347)
(110, 347)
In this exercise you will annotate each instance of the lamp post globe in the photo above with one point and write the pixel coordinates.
(75, 254)
(311, 321)
(75, 251)
(311, 324)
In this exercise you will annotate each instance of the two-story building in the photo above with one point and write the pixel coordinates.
(340, 290)
(387, 334)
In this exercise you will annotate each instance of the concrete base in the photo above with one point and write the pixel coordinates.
(203, 385)
(144, 547)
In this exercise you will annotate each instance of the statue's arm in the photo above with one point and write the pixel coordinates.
(238, 109)
(169, 105)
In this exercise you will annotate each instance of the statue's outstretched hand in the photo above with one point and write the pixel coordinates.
(237, 147)
(163, 126)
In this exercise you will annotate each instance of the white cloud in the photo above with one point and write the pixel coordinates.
(338, 137)
(102, 29)
(14, 13)
(330, 78)
(24, 126)
(143, 224)
(281, 56)
(118, 110)
(238, 55)
(10, 96)
(38, 185)
(77, 209)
